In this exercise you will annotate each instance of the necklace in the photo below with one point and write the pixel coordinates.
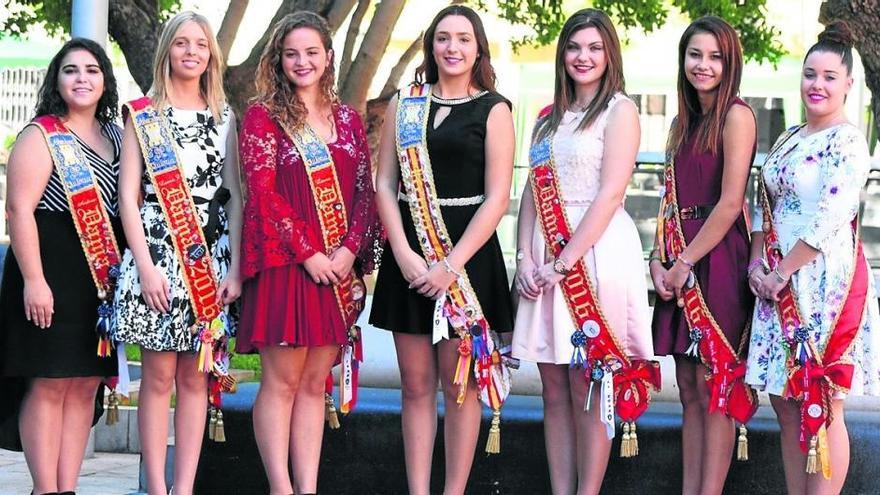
(456, 101)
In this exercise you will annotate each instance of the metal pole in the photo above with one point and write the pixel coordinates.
(88, 19)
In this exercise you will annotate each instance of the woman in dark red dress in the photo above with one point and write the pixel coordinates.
(289, 308)
(713, 144)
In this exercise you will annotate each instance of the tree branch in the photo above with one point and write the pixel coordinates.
(135, 28)
(394, 76)
(338, 12)
(351, 35)
(365, 65)
(229, 27)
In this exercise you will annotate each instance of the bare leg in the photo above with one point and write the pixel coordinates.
(79, 410)
(189, 421)
(158, 370)
(307, 425)
(40, 425)
(461, 426)
(593, 444)
(692, 425)
(788, 414)
(418, 389)
(273, 410)
(838, 446)
(718, 438)
(559, 435)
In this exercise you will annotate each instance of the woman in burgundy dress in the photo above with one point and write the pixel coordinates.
(713, 143)
(290, 312)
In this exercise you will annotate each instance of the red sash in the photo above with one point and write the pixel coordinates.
(729, 394)
(478, 352)
(89, 216)
(350, 292)
(595, 345)
(814, 374)
(173, 194)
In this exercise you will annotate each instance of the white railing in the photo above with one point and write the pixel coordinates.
(18, 95)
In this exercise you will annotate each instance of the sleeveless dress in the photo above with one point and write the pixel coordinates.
(813, 184)
(201, 147)
(544, 326)
(457, 151)
(281, 304)
(722, 274)
(68, 347)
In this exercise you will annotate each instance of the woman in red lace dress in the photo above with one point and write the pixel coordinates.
(289, 309)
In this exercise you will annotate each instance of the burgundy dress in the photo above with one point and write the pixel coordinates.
(280, 304)
(722, 272)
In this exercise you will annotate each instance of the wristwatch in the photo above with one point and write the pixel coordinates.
(520, 255)
(559, 267)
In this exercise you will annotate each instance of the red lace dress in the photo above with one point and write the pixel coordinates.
(281, 305)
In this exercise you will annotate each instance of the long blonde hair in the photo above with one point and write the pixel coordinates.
(274, 90)
(210, 82)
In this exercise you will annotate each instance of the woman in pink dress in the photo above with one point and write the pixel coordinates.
(290, 312)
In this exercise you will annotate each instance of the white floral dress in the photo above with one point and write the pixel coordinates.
(814, 183)
(201, 147)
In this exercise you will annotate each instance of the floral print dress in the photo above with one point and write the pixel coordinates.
(201, 148)
(814, 182)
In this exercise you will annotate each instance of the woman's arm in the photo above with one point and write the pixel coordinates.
(526, 285)
(412, 264)
(27, 173)
(230, 287)
(499, 171)
(154, 287)
(738, 139)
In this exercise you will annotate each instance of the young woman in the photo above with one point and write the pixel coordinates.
(465, 145)
(703, 238)
(183, 257)
(817, 281)
(296, 261)
(593, 131)
(50, 292)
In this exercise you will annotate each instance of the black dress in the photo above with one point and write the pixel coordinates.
(68, 348)
(457, 151)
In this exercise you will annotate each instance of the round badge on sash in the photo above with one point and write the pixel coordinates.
(815, 410)
(357, 289)
(591, 328)
(196, 252)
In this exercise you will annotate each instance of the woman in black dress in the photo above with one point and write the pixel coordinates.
(470, 144)
(49, 368)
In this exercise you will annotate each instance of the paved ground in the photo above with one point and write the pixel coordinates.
(103, 474)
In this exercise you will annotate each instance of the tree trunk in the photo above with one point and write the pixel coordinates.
(229, 27)
(135, 27)
(862, 17)
(337, 14)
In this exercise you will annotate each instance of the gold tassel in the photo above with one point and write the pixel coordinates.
(493, 444)
(624, 442)
(824, 457)
(219, 431)
(212, 423)
(811, 456)
(330, 412)
(742, 444)
(633, 440)
(112, 409)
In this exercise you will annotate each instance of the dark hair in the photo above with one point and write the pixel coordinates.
(49, 101)
(690, 117)
(482, 74)
(612, 81)
(836, 38)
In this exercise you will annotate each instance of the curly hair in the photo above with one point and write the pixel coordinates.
(274, 90)
(49, 100)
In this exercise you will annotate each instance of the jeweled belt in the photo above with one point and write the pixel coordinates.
(467, 201)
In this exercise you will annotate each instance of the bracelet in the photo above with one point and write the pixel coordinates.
(757, 263)
(686, 262)
(449, 268)
(778, 275)
(654, 257)
(560, 267)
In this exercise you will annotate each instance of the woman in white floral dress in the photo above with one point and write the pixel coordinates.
(813, 181)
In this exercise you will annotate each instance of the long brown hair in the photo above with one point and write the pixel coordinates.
(611, 83)
(482, 74)
(708, 127)
(274, 90)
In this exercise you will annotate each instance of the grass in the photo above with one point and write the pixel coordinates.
(238, 361)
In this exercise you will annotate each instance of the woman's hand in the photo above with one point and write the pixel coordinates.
(411, 264)
(39, 304)
(658, 274)
(546, 277)
(767, 286)
(341, 261)
(230, 288)
(524, 280)
(434, 282)
(675, 278)
(320, 268)
(154, 288)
